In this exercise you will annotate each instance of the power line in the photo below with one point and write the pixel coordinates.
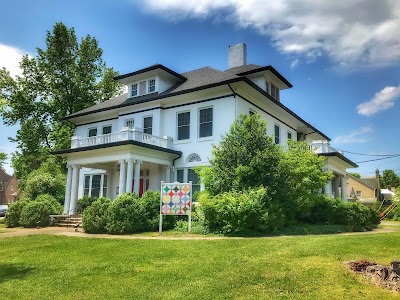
(375, 159)
(366, 154)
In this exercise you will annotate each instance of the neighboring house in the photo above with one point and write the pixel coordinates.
(167, 122)
(363, 190)
(8, 187)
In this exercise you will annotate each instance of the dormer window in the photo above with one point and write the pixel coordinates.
(274, 91)
(152, 86)
(267, 87)
(134, 90)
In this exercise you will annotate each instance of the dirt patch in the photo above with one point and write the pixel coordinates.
(385, 276)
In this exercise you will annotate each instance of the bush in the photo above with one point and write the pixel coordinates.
(394, 215)
(14, 213)
(85, 202)
(56, 207)
(36, 213)
(241, 212)
(95, 217)
(126, 215)
(324, 210)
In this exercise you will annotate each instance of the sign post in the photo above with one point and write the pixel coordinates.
(176, 200)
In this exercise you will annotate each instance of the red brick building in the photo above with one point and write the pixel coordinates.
(8, 188)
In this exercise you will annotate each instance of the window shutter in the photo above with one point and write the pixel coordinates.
(142, 88)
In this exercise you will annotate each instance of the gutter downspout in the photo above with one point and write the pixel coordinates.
(234, 96)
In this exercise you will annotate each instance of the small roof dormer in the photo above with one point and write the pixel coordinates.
(154, 79)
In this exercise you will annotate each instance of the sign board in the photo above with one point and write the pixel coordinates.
(176, 200)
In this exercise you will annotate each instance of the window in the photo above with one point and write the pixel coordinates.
(95, 185)
(134, 90)
(107, 129)
(92, 132)
(148, 125)
(289, 135)
(358, 194)
(179, 175)
(267, 87)
(152, 86)
(184, 126)
(277, 134)
(205, 122)
(274, 91)
(194, 178)
(251, 112)
(130, 123)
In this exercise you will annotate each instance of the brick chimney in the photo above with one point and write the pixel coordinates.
(237, 56)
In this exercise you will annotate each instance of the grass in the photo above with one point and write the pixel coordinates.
(306, 267)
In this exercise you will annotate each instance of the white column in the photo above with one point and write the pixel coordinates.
(74, 189)
(167, 174)
(122, 176)
(328, 189)
(137, 177)
(343, 184)
(129, 176)
(68, 190)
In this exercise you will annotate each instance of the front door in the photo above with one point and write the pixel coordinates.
(144, 182)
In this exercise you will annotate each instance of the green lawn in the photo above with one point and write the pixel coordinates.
(306, 267)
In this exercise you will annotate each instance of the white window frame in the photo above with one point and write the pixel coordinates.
(279, 134)
(134, 90)
(101, 194)
(151, 88)
(291, 135)
(275, 91)
(267, 87)
(186, 177)
(104, 126)
(358, 194)
(177, 124)
(212, 122)
(126, 121)
(149, 116)
(92, 128)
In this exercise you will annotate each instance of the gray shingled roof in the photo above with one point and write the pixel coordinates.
(242, 69)
(370, 181)
(195, 79)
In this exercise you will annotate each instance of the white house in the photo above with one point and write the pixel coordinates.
(167, 122)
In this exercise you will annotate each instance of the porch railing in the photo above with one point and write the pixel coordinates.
(126, 134)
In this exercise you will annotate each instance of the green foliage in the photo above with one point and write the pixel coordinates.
(95, 217)
(14, 213)
(85, 202)
(394, 215)
(389, 179)
(355, 174)
(56, 207)
(47, 179)
(241, 212)
(324, 210)
(126, 215)
(3, 157)
(66, 76)
(37, 213)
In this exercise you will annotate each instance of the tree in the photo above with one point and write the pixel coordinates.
(3, 157)
(389, 179)
(247, 157)
(355, 175)
(62, 79)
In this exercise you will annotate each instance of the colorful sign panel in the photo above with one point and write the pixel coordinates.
(176, 198)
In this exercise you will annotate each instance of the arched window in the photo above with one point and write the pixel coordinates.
(193, 157)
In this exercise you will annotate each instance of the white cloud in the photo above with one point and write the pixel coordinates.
(10, 58)
(352, 32)
(357, 136)
(382, 100)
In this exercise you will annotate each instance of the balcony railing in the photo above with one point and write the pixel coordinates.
(126, 134)
(322, 146)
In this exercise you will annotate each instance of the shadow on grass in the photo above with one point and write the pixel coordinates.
(13, 271)
(298, 229)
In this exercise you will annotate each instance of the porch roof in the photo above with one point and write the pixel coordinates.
(120, 143)
(340, 156)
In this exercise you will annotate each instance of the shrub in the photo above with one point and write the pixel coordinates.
(14, 213)
(324, 210)
(36, 213)
(241, 212)
(85, 202)
(394, 215)
(56, 207)
(126, 215)
(95, 217)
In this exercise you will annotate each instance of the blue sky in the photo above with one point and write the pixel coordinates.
(343, 59)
